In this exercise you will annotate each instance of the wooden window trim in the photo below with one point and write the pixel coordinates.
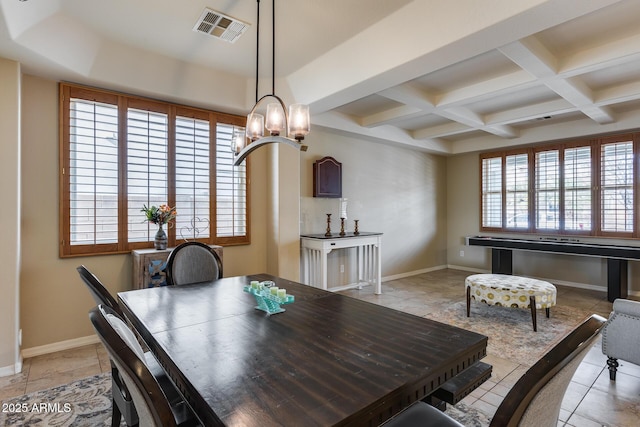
(67, 91)
(595, 145)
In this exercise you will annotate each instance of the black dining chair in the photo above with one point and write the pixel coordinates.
(122, 406)
(535, 399)
(98, 291)
(156, 400)
(193, 262)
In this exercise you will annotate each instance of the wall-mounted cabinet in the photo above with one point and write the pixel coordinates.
(327, 178)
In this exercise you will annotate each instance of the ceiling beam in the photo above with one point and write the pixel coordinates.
(533, 57)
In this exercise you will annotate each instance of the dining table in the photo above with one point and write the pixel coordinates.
(327, 359)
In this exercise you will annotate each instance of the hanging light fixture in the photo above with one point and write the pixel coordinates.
(284, 126)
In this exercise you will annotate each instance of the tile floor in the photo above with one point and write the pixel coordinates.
(591, 400)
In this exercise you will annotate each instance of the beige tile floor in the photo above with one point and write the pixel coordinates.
(591, 400)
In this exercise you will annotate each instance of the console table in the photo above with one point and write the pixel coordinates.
(617, 256)
(148, 266)
(316, 247)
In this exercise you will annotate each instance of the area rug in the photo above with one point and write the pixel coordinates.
(510, 330)
(86, 402)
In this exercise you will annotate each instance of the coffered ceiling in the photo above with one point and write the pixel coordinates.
(448, 76)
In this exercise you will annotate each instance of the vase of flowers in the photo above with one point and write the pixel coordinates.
(160, 216)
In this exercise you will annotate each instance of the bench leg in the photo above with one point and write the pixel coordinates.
(548, 311)
(532, 303)
(468, 301)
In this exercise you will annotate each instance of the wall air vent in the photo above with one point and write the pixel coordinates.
(220, 26)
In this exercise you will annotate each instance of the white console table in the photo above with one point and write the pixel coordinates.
(316, 247)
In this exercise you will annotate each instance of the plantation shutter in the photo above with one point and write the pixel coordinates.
(147, 169)
(93, 172)
(517, 190)
(492, 192)
(231, 186)
(547, 189)
(193, 193)
(577, 188)
(616, 187)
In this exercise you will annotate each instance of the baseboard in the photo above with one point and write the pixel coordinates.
(554, 281)
(412, 273)
(59, 346)
(469, 269)
(481, 271)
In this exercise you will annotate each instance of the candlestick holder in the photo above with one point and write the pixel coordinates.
(355, 231)
(328, 233)
(342, 233)
(267, 301)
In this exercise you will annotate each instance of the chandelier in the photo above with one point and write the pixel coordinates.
(284, 126)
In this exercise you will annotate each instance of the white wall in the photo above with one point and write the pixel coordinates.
(398, 192)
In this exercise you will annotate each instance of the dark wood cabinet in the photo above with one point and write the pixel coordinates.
(327, 178)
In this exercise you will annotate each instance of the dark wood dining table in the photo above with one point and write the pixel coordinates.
(328, 360)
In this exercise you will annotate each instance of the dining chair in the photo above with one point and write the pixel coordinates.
(156, 400)
(193, 262)
(122, 406)
(98, 291)
(536, 398)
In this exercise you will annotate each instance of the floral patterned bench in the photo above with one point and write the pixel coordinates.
(511, 291)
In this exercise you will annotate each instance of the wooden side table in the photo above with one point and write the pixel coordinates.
(144, 259)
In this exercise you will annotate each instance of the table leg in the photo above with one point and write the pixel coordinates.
(468, 301)
(532, 303)
(616, 278)
(501, 261)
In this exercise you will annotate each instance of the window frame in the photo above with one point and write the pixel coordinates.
(67, 91)
(596, 203)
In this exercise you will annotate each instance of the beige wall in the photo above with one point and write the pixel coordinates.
(54, 302)
(463, 214)
(399, 192)
(10, 195)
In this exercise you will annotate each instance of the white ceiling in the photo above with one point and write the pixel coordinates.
(445, 76)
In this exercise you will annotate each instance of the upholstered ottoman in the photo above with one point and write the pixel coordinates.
(511, 291)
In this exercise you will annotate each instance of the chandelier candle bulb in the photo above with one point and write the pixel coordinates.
(299, 121)
(255, 126)
(275, 119)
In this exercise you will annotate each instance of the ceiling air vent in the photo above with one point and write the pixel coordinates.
(220, 26)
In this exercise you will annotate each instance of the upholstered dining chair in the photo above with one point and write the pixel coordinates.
(156, 401)
(193, 262)
(99, 293)
(621, 335)
(536, 397)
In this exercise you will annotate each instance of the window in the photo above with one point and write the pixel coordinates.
(577, 188)
(492, 192)
(574, 190)
(547, 189)
(616, 187)
(120, 152)
(517, 190)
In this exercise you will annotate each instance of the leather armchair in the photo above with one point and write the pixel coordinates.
(621, 335)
